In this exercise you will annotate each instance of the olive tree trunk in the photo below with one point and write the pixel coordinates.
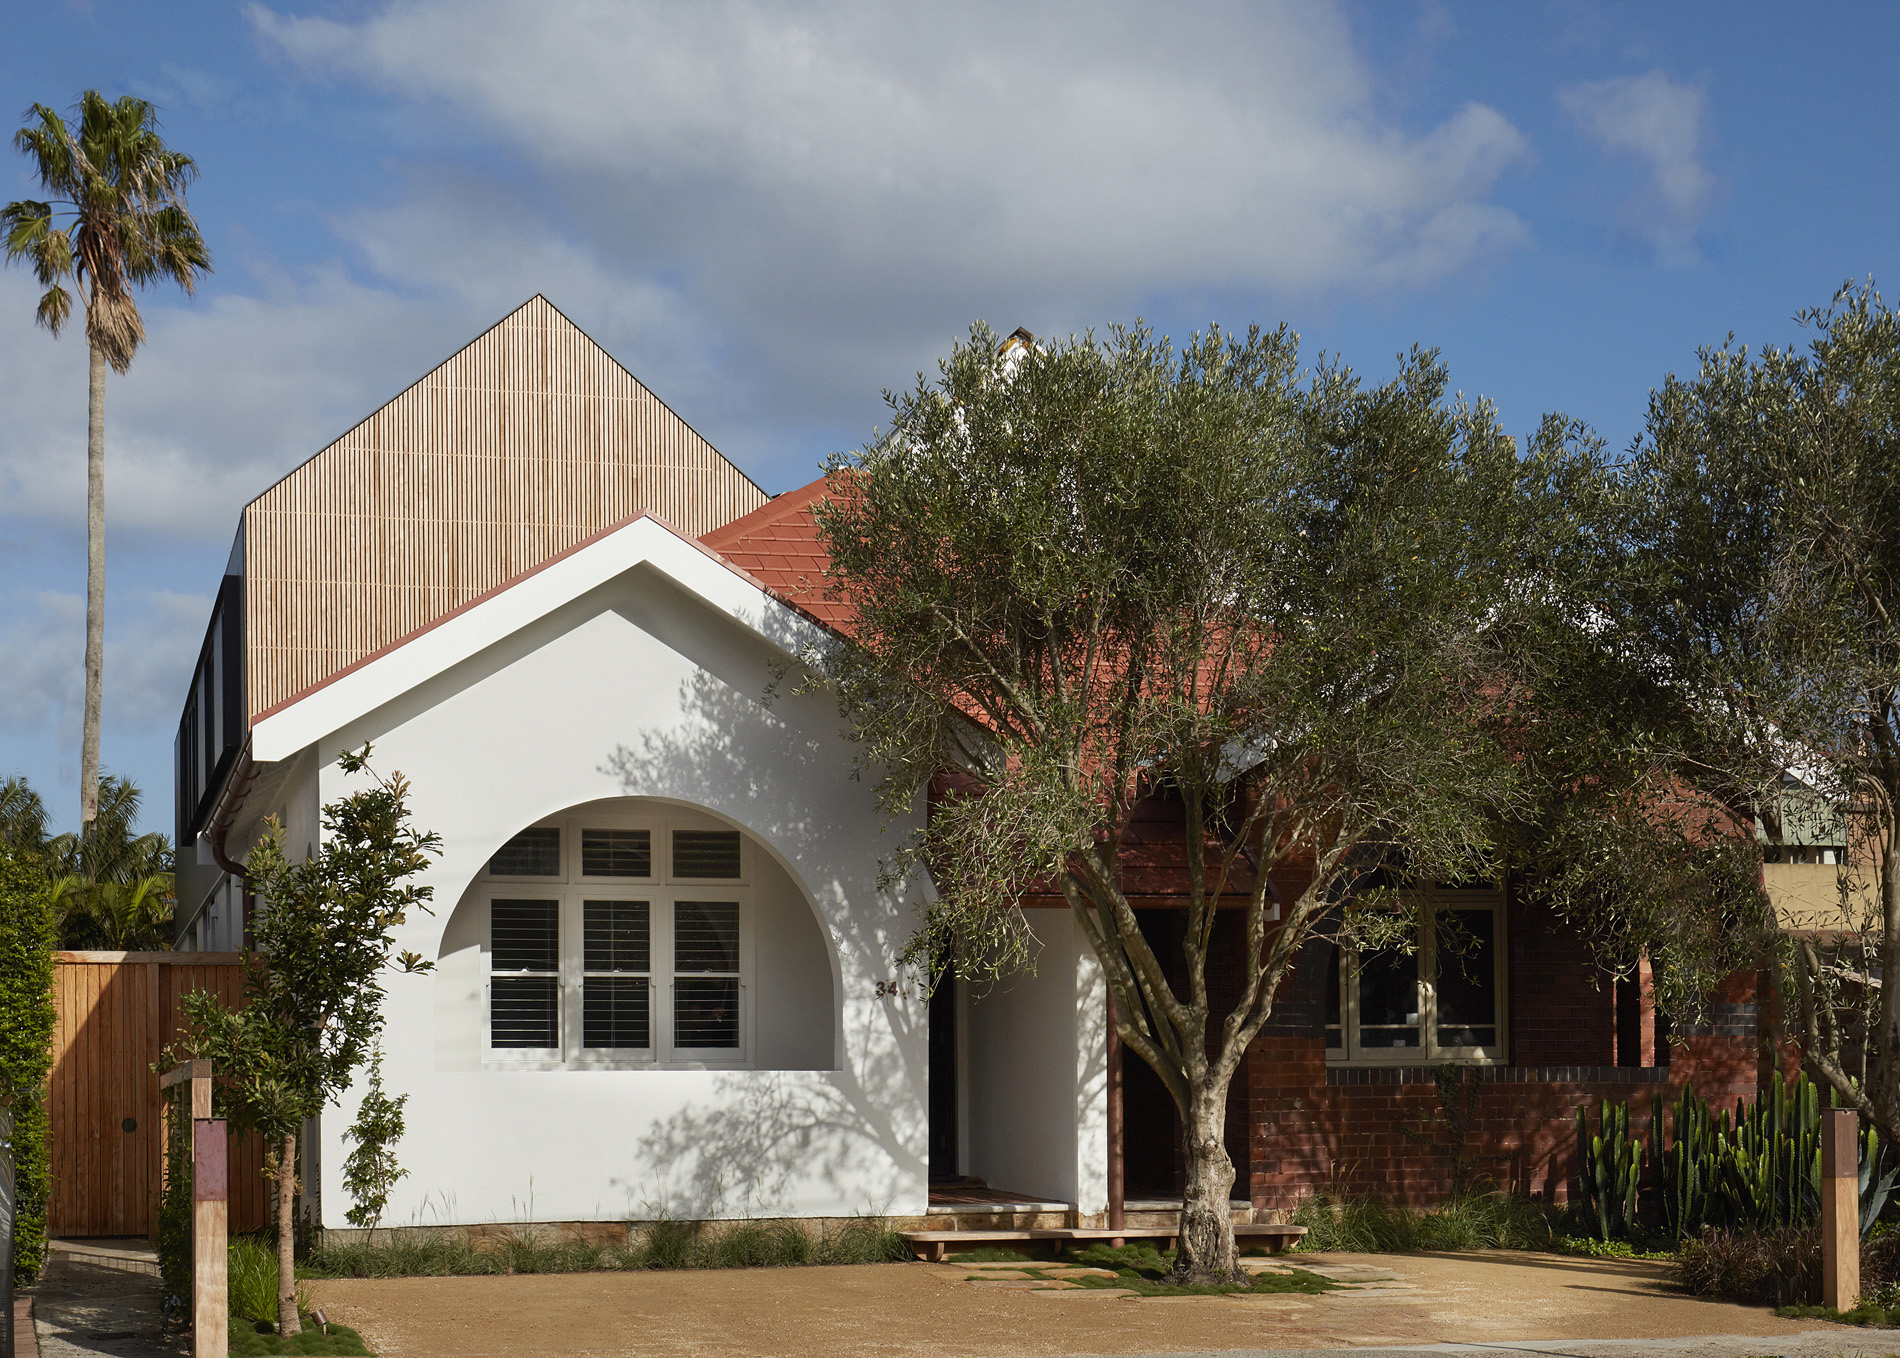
(1208, 1253)
(287, 1321)
(95, 586)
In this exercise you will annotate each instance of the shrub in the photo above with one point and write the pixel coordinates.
(1768, 1268)
(409, 1254)
(27, 933)
(174, 1202)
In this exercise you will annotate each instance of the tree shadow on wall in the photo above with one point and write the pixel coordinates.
(861, 1130)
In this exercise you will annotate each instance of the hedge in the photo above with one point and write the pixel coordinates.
(28, 930)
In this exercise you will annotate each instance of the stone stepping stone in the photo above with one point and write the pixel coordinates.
(1078, 1293)
(1013, 1285)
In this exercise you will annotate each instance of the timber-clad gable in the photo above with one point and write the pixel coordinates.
(527, 442)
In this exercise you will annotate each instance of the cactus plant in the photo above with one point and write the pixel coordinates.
(1688, 1166)
(1873, 1191)
(1609, 1169)
(1762, 1172)
(1771, 1174)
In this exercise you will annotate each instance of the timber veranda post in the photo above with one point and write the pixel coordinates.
(210, 1215)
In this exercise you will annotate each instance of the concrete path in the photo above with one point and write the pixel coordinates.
(102, 1299)
(1494, 1303)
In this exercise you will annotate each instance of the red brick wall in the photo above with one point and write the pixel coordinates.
(1382, 1129)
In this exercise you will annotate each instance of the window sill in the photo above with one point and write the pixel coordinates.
(586, 1066)
(1495, 1072)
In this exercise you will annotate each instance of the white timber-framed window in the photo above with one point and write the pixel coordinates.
(1443, 1003)
(618, 943)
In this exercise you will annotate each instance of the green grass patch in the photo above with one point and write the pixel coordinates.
(1869, 1313)
(666, 1245)
(246, 1342)
(989, 1255)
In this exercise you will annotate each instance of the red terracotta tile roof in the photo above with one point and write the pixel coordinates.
(777, 544)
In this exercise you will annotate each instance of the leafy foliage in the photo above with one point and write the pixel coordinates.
(111, 886)
(173, 1235)
(1738, 641)
(248, 1342)
(1099, 575)
(370, 1170)
(26, 1059)
(313, 1011)
(115, 217)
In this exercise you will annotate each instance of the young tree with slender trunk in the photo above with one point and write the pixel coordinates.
(1753, 597)
(313, 990)
(116, 220)
(1093, 575)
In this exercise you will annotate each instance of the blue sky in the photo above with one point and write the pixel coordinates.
(772, 212)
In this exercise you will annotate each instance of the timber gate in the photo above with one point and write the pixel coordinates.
(116, 1011)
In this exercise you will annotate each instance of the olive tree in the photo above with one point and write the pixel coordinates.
(1756, 599)
(1102, 572)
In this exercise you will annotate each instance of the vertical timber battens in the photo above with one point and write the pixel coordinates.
(526, 442)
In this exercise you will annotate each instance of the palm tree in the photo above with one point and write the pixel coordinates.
(22, 820)
(116, 219)
(111, 885)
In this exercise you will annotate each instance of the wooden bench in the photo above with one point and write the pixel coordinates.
(933, 1245)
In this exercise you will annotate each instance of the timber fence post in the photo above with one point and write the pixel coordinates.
(210, 1227)
(210, 1215)
(1840, 1209)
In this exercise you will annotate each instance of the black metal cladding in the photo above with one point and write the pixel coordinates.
(211, 729)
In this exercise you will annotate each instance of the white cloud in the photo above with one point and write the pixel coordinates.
(769, 213)
(152, 639)
(1663, 124)
(837, 180)
(40, 660)
(221, 400)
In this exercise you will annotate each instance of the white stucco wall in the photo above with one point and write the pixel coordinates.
(1035, 1074)
(640, 687)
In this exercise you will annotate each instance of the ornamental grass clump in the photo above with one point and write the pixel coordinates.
(1775, 1267)
(664, 1244)
(1474, 1221)
(251, 1276)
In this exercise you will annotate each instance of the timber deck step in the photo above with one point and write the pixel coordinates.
(933, 1245)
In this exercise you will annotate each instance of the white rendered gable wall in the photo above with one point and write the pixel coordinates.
(634, 667)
